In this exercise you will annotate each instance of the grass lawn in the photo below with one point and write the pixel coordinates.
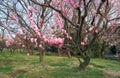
(22, 66)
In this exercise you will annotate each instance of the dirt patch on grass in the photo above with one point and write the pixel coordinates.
(112, 74)
(4, 75)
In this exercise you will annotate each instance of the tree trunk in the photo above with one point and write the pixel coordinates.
(69, 54)
(118, 56)
(59, 54)
(102, 50)
(41, 55)
(1, 49)
(83, 65)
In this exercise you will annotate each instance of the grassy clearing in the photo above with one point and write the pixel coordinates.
(22, 66)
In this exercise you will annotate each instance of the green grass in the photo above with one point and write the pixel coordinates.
(21, 66)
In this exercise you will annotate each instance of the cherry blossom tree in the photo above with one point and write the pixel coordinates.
(40, 29)
(113, 38)
(74, 24)
(86, 20)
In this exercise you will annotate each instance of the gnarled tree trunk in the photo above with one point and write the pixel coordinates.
(84, 60)
(83, 65)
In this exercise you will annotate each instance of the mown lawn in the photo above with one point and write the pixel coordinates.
(21, 66)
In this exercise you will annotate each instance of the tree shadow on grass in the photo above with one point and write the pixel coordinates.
(7, 65)
(75, 72)
(18, 72)
(97, 66)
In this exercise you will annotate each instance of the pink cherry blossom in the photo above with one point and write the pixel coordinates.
(29, 13)
(55, 41)
(8, 42)
(55, 3)
(69, 37)
(32, 40)
(85, 39)
(38, 34)
(74, 3)
(22, 28)
(85, 30)
(82, 43)
(33, 25)
(32, 9)
(61, 40)
(13, 17)
(19, 43)
(23, 46)
(17, 33)
(96, 31)
(41, 46)
(40, 22)
(60, 45)
(65, 32)
(35, 39)
(24, 37)
(91, 28)
(46, 40)
(59, 20)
